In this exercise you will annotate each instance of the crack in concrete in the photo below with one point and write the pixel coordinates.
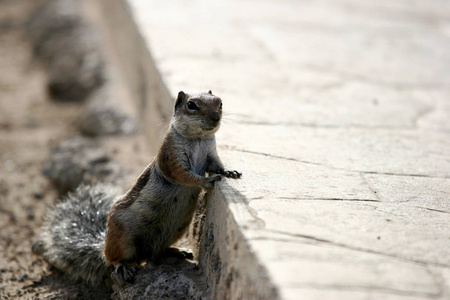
(241, 203)
(260, 43)
(435, 210)
(327, 199)
(345, 126)
(327, 126)
(370, 186)
(345, 75)
(421, 114)
(359, 249)
(341, 169)
(400, 174)
(282, 157)
(438, 280)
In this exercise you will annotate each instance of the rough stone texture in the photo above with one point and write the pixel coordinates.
(337, 115)
(104, 114)
(69, 46)
(171, 279)
(80, 160)
(224, 254)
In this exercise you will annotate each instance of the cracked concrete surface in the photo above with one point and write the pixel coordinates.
(337, 113)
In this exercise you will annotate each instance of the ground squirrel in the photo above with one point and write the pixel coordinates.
(152, 215)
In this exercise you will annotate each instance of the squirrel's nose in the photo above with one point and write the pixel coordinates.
(214, 116)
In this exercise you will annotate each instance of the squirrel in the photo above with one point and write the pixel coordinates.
(95, 230)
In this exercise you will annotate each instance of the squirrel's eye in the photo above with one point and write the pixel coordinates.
(192, 106)
(220, 105)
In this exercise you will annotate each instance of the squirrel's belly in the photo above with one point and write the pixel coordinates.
(183, 213)
(172, 223)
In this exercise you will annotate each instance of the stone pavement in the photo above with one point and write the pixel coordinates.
(338, 115)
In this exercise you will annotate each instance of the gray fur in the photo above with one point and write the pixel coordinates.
(73, 234)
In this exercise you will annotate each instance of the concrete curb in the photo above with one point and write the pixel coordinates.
(233, 270)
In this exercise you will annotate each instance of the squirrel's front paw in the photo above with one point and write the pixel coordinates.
(209, 181)
(232, 174)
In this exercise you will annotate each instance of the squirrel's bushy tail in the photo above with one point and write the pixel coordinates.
(73, 233)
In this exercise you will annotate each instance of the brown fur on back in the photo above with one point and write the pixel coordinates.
(128, 199)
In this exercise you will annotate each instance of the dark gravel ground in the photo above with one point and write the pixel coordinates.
(30, 125)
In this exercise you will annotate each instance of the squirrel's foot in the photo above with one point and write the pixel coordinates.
(181, 253)
(38, 247)
(127, 274)
(208, 182)
(232, 174)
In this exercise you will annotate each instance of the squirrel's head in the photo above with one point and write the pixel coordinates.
(197, 115)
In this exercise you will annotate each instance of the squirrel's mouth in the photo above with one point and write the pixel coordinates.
(209, 128)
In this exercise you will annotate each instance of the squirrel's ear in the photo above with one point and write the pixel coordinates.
(210, 92)
(180, 99)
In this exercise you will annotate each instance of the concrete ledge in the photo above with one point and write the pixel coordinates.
(233, 270)
(339, 122)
